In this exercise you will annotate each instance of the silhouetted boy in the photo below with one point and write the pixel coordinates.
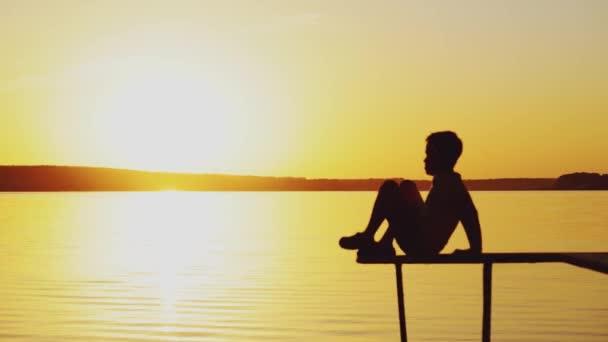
(422, 228)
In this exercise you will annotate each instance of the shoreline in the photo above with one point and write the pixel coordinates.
(44, 178)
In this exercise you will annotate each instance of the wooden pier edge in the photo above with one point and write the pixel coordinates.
(596, 261)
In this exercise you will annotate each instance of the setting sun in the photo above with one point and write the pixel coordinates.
(151, 109)
(158, 115)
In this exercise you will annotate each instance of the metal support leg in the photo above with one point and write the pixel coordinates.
(401, 303)
(487, 301)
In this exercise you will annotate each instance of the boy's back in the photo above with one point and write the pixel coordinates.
(447, 203)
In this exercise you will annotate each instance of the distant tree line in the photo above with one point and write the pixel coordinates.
(582, 181)
(76, 178)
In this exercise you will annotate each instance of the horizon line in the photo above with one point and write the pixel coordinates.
(261, 176)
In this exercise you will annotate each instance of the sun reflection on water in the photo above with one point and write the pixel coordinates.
(162, 243)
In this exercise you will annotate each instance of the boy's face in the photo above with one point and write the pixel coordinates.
(432, 162)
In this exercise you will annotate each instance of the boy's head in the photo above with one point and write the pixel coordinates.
(442, 152)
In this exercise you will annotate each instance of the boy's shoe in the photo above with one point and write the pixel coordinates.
(377, 250)
(357, 241)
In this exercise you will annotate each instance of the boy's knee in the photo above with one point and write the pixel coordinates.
(408, 186)
(389, 185)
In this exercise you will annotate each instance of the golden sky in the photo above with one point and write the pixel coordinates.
(311, 88)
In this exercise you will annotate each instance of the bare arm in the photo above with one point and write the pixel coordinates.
(470, 222)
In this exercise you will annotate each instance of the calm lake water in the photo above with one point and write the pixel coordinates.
(240, 266)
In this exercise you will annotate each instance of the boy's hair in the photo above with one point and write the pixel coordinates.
(447, 144)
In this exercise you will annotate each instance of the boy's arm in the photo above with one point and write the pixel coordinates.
(470, 222)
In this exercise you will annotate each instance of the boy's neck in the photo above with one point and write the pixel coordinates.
(444, 173)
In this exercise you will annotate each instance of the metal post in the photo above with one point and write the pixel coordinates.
(401, 303)
(487, 301)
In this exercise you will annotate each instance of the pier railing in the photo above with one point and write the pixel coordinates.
(593, 261)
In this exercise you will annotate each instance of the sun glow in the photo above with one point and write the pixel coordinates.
(172, 109)
(157, 116)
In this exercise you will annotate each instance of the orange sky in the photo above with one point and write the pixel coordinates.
(315, 89)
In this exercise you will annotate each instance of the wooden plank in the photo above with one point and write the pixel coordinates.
(593, 261)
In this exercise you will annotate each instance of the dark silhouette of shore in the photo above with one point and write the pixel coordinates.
(582, 181)
(79, 178)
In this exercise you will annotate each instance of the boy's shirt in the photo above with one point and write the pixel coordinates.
(447, 203)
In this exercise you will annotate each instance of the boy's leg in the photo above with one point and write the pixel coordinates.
(385, 207)
(394, 202)
(387, 196)
(403, 220)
